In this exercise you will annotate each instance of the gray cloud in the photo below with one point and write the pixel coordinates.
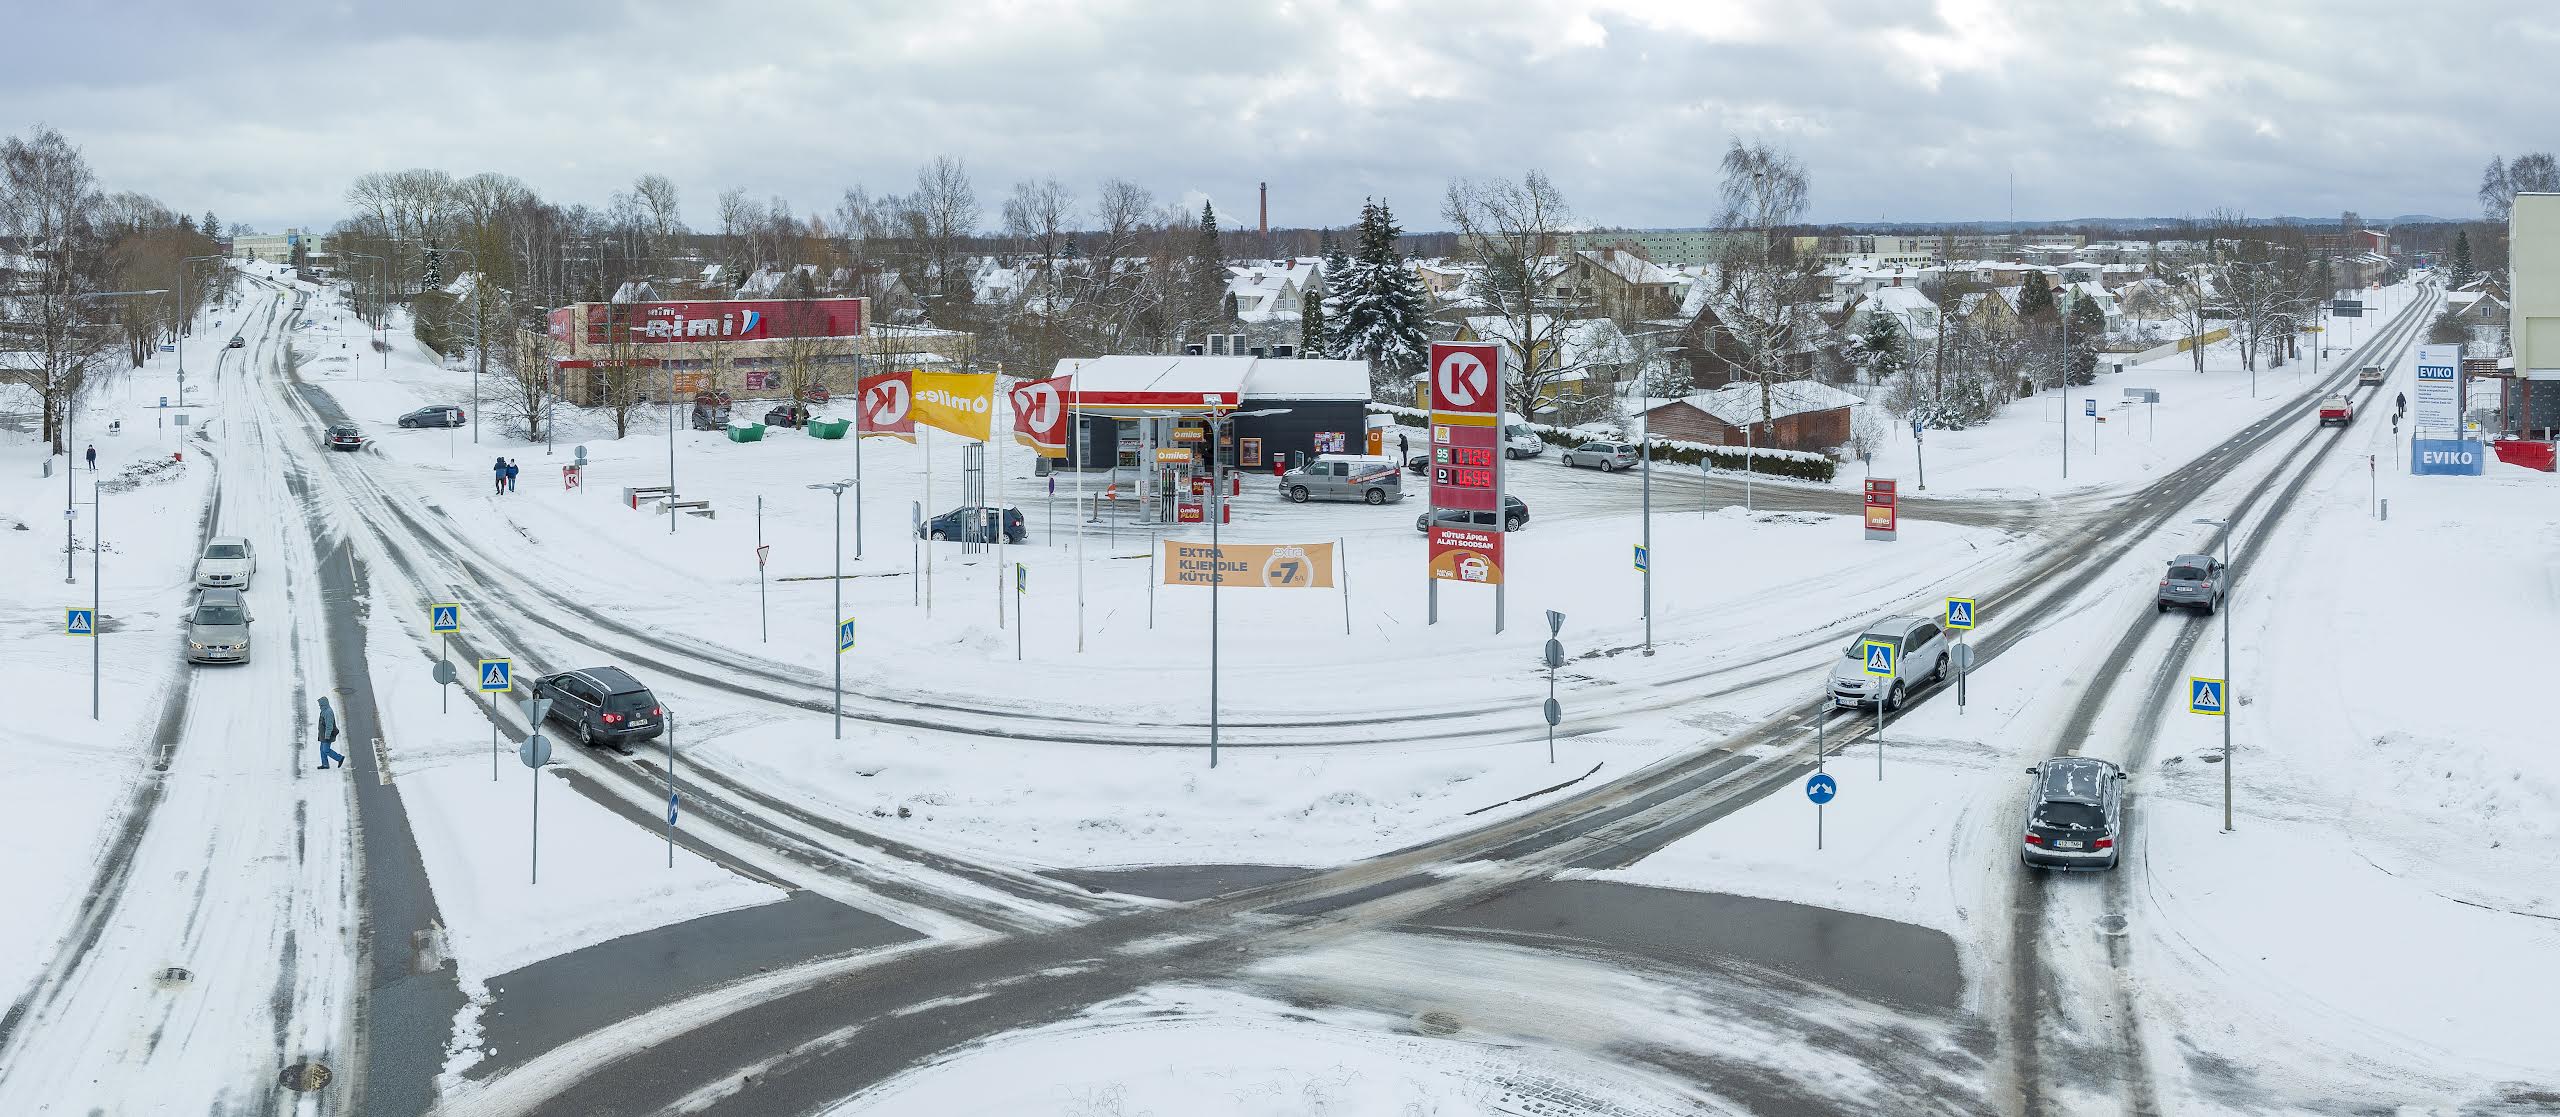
(1901, 110)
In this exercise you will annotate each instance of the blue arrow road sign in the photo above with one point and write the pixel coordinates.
(2089, 407)
(497, 674)
(1879, 655)
(2205, 696)
(444, 618)
(844, 635)
(671, 808)
(79, 622)
(1959, 614)
(1821, 788)
(1640, 557)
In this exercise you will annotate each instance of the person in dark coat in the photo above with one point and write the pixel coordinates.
(498, 474)
(329, 737)
(93, 459)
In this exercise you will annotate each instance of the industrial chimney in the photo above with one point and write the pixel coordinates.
(1266, 209)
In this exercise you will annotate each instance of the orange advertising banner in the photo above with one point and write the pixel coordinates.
(1461, 554)
(1282, 566)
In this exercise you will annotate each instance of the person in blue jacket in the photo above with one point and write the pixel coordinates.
(511, 475)
(498, 474)
(329, 737)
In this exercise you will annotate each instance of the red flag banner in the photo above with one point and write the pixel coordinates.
(886, 407)
(1040, 417)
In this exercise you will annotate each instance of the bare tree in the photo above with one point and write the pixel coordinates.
(946, 210)
(49, 210)
(1113, 296)
(1040, 216)
(1515, 234)
(1765, 296)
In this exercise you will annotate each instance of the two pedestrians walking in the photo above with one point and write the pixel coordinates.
(502, 474)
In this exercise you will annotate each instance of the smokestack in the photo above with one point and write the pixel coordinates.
(1266, 208)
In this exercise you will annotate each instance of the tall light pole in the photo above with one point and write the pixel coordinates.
(480, 348)
(672, 510)
(186, 273)
(1644, 444)
(2227, 689)
(836, 617)
(382, 299)
(1217, 558)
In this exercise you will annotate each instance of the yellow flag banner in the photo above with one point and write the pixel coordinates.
(1286, 566)
(959, 402)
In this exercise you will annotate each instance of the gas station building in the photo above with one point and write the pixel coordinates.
(1122, 410)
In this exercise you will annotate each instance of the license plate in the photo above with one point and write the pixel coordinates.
(2066, 845)
(641, 723)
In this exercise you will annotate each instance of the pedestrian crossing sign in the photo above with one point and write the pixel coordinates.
(2205, 696)
(1959, 614)
(844, 635)
(497, 674)
(1879, 655)
(79, 622)
(445, 617)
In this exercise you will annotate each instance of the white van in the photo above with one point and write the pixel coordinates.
(1518, 441)
(1362, 477)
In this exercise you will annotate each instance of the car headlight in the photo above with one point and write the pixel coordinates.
(194, 647)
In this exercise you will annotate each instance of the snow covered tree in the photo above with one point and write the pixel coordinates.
(1311, 333)
(2035, 300)
(1882, 349)
(1375, 305)
(2088, 326)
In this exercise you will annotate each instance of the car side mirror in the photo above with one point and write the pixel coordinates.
(2031, 769)
(2120, 775)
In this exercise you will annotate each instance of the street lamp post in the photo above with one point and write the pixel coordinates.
(836, 618)
(187, 272)
(1217, 558)
(71, 413)
(2227, 689)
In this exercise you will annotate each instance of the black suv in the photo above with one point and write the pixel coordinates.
(974, 525)
(606, 705)
(2075, 817)
(1452, 517)
(439, 415)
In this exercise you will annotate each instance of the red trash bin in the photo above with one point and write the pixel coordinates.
(2526, 453)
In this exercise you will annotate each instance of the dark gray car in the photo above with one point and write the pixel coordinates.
(2075, 815)
(1452, 517)
(604, 704)
(2194, 582)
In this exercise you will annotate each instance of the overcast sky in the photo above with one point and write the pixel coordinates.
(1901, 109)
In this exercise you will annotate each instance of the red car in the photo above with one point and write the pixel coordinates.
(2336, 409)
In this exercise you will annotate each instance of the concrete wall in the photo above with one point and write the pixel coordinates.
(2533, 270)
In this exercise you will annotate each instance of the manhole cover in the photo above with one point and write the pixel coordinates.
(304, 1077)
(1439, 1023)
(2113, 924)
(176, 975)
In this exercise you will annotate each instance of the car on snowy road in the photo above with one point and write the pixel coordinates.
(974, 525)
(345, 436)
(605, 705)
(1518, 514)
(1610, 457)
(2369, 374)
(2193, 582)
(439, 415)
(2075, 814)
(237, 343)
(227, 561)
(2336, 409)
(1920, 659)
(218, 628)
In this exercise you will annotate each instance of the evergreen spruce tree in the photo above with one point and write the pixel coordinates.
(2462, 267)
(2088, 326)
(1376, 310)
(2035, 300)
(210, 228)
(1311, 333)
(1208, 278)
(1880, 348)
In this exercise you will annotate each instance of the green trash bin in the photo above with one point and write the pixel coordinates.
(751, 432)
(829, 428)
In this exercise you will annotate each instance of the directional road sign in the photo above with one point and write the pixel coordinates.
(1821, 788)
(444, 617)
(1021, 578)
(1959, 614)
(1640, 557)
(844, 635)
(444, 673)
(79, 622)
(2089, 407)
(1554, 712)
(1879, 655)
(2205, 696)
(535, 751)
(1962, 656)
(497, 674)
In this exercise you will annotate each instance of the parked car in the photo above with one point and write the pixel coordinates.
(2194, 582)
(237, 343)
(604, 704)
(440, 415)
(2075, 816)
(787, 415)
(345, 436)
(1518, 441)
(218, 628)
(1609, 456)
(2336, 409)
(974, 525)
(1451, 517)
(228, 560)
(1920, 659)
(1344, 477)
(2369, 374)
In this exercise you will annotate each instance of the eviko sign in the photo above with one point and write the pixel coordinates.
(2445, 457)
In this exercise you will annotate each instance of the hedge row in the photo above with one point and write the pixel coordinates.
(1775, 463)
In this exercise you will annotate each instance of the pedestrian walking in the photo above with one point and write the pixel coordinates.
(329, 737)
(498, 475)
(1404, 449)
(93, 459)
(511, 475)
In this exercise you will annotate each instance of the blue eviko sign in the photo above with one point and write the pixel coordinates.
(2446, 457)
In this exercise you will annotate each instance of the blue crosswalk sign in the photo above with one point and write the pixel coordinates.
(2205, 696)
(1641, 557)
(671, 808)
(1821, 788)
(79, 622)
(445, 618)
(1879, 655)
(497, 674)
(844, 635)
(1959, 614)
